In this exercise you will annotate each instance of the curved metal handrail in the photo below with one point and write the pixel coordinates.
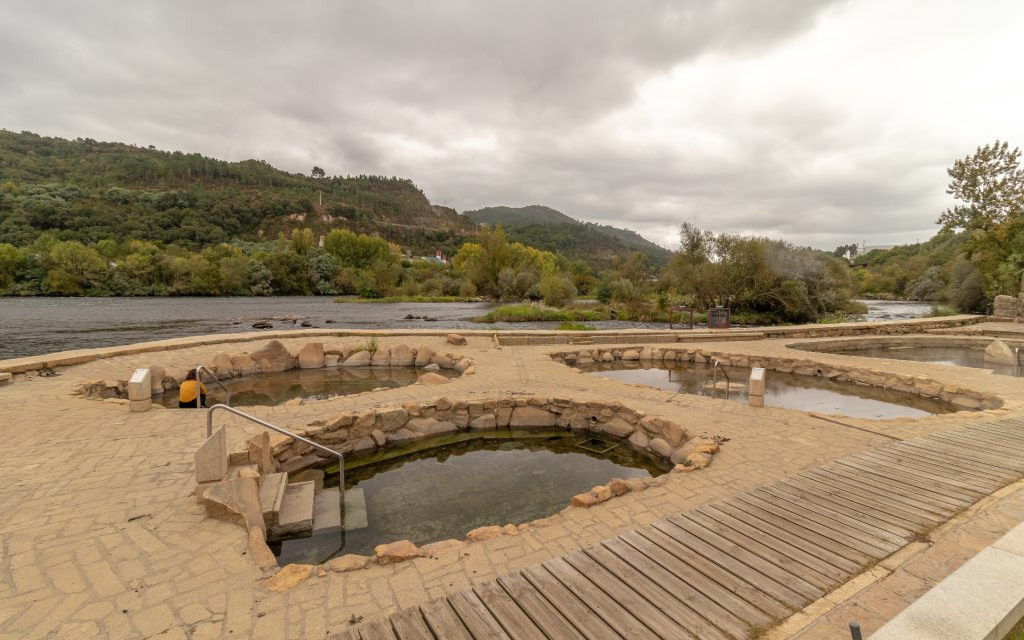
(714, 380)
(277, 429)
(199, 378)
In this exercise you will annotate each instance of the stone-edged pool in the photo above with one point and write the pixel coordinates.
(271, 389)
(786, 390)
(446, 486)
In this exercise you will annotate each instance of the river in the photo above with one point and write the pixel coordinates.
(30, 326)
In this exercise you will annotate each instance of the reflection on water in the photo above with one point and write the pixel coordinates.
(445, 492)
(957, 356)
(787, 390)
(277, 388)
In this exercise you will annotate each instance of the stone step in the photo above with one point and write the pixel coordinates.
(326, 539)
(355, 510)
(296, 515)
(272, 496)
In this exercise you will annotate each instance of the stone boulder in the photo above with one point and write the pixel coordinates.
(998, 353)
(431, 378)
(348, 562)
(291, 575)
(1004, 307)
(311, 355)
(660, 447)
(630, 354)
(223, 366)
(455, 339)
(402, 356)
(358, 359)
(235, 500)
(273, 357)
(484, 533)
(381, 358)
(244, 365)
(397, 552)
(617, 427)
(429, 426)
(332, 360)
(423, 356)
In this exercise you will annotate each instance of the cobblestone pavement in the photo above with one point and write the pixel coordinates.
(101, 536)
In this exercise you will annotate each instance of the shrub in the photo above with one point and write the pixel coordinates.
(557, 290)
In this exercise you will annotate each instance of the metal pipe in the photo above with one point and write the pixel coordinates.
(199, 379)
(855, 632)
(714, 384)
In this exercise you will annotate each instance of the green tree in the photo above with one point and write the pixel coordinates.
(75, 268)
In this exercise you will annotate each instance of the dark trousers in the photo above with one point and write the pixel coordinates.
(192, 404)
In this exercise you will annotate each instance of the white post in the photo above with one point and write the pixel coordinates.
(755, 387)
(140, 392)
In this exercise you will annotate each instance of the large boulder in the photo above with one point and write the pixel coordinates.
(1004, 307)
(381, 358)
(244, 365)
(396, 552)
(423, 355)
(431, 378)
(456, 339)
(273, 357)
(358, 359)
(311, 355)
(998, 353)
(223, 366)
(402, 356)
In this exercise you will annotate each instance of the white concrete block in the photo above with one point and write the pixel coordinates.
(756, 385)
(139, 387)
(981, 600)
(212, 457)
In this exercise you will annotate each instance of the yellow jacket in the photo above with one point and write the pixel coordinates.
(187, 392)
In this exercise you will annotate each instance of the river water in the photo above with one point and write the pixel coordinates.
(30, 326)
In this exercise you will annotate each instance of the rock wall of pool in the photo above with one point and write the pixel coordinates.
(273, 375)
(960, 351)
(793, 383)
(423, 474)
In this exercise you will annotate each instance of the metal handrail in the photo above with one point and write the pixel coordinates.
(277, 429)
(714, 379)
(199, 378)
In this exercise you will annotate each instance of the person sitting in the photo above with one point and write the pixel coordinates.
(189, 390)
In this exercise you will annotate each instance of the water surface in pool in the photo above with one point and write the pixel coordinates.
(787, 390)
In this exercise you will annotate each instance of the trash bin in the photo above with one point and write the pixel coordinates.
(718, 318)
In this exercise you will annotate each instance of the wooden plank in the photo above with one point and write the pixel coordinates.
(781, 571)
(999, 441)
(508, 614)
(963, 455)
(734, 595)
(887, 540)
(539, 610)
(614, 615)
(719, 606)
(663, 596)
(836, 553)
(629, 599)
(567, 604)
(409, 625)
(475, 616)
(980, 447)
(780, 541)
(938, 505)
(943, 473)
(443, 621)
(377, 630)
(933, 489)
(860, 542)
(348, 634)
(888, 498)
(924, 467)
(723, 568)
(883, 522)
(926, 456)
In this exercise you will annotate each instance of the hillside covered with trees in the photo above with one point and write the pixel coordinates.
(545, 228)
(978, 252)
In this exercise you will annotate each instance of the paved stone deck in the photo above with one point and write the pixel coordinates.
(102, 538)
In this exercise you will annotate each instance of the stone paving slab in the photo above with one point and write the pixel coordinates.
(101, 536)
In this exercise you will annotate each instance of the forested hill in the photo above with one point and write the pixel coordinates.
(551, 230)
(88, 191)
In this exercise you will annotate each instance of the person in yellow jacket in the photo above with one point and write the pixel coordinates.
(188, 391)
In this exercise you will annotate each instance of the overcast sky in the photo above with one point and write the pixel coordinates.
(823, 122)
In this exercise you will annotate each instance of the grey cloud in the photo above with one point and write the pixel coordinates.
(398, 88)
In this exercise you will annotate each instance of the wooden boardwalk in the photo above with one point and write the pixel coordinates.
(735, 566)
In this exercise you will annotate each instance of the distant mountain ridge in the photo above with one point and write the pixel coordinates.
(550, 229)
